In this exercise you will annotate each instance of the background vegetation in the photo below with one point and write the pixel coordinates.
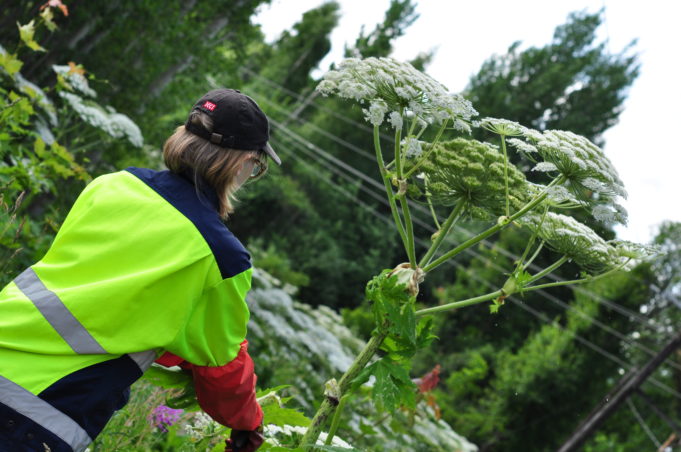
(518, 380)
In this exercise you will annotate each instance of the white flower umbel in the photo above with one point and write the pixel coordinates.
(75, 79)
(413, 148)
(112, 123)
(575, 240)
(589, 174)
(397, 87)
(523, 146)
(502, 127)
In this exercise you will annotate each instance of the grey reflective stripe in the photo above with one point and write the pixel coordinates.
(143, 359)
(57, 314)
(43, 414)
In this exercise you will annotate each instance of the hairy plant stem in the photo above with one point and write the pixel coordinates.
(493, 295)
(442, 233)
(411, 252)
(548, 269)
(327, 408)
(409, 226)
(388, 187)
(534, 256)
(577, 281)
(459, 304)
(503, 147)
(494, 229)
(521, 262)
(430, 204)
(335, 422)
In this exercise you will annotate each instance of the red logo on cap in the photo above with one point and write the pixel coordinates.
(209, 105)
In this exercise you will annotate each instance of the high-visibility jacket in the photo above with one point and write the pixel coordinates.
(141, 266)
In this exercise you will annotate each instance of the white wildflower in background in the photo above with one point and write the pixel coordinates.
(274, 435)
(201, 425)
(112, 123)
(75, 79)
(398, 86)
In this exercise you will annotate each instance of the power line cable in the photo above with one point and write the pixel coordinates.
(643, 424)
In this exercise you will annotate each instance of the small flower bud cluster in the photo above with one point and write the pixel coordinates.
(412, 147)
(590, 175)
(473, 172)
(395, 88)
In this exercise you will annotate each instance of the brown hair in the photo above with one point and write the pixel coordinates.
(216, 165)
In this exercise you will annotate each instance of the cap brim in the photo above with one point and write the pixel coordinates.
(273, 155)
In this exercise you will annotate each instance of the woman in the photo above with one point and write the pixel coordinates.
(142, 269)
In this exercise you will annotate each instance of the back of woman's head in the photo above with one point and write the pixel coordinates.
(217, 166)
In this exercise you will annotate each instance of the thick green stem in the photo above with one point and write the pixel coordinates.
(442, 233)
(328, 408)
(432, 212)
(548, 269)
(576, 281)
(459, 304)
(335, 422)
(494, 229)
(534, 256)
(388, 187)
(409, 226)
(503, 147)
(398, 154)
(411, 251)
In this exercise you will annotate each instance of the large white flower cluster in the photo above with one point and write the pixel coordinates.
(112, 123)
(395, 88)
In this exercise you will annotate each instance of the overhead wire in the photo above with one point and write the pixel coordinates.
(307, 146)
(541, 316)
(643, 424)
(645, 322)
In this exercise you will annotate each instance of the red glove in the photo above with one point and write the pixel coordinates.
(245, 441)
(226, 393)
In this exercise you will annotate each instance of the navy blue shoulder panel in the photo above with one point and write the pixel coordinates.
(230, 255)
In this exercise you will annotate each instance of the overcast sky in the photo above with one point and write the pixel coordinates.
(643, 146)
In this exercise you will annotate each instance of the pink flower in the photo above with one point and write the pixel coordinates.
(163, 417)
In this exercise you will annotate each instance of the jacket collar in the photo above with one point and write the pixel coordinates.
(204, 190)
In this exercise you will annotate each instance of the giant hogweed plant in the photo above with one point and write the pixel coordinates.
(472, 179)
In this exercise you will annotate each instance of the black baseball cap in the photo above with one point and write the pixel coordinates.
(238, 122)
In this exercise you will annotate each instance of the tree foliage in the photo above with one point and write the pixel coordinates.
(574, 83)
